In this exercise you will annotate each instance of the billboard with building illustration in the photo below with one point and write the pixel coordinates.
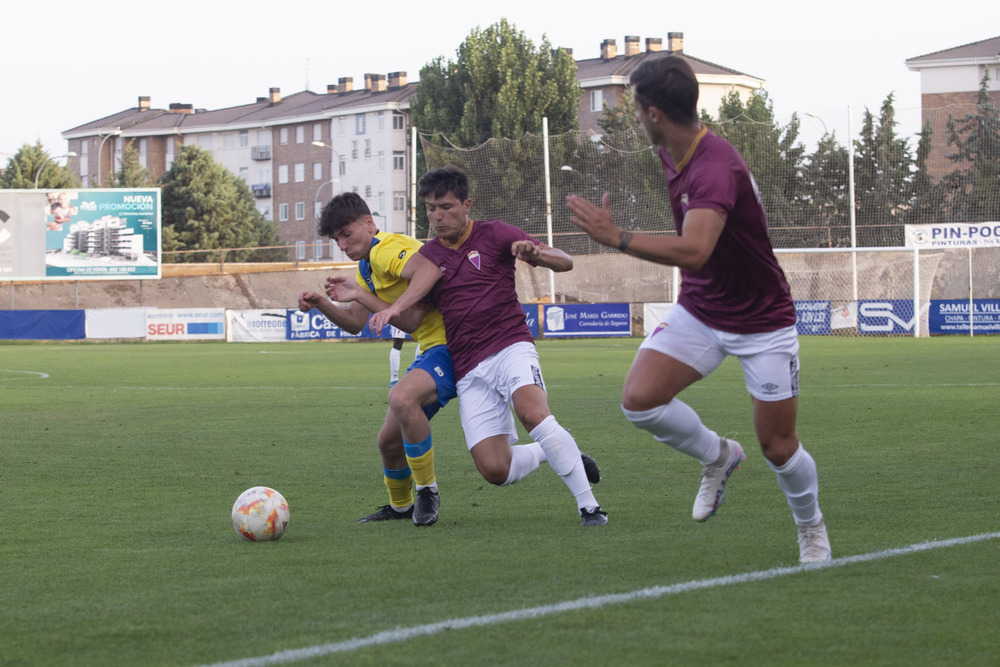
(79, 234)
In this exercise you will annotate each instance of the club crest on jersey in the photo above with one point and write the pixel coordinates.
(474, 258)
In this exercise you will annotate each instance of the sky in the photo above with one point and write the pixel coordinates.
(80, 61)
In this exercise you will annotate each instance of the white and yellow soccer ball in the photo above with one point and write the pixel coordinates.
(260, 514)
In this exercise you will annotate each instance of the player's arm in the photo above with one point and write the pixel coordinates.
(541, 255)
(702, 227)
(422, 275)
(351, 318)
(343, 289)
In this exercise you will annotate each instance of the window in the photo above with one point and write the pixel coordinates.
(283, 173)
(368, 192)
(244, 173)
(398, 161)
(300, 172)
(398, 121)
(283, 136)
(318, 132)
(282, 212)
(381, 161)
(333, 248)
(300, 134)
(597, 100)
(300, 210)
(317, 250)
(342, 125)
(317, 209)
(399, 201)
(317, 170)
(263, 175)
(381, 121)
(342, 170)
(368, 148)
(359, 123)
(381, 201)
(354, 149)
(300, 249)
(143, 152)
(244, 138)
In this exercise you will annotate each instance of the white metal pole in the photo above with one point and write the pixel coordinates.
(548, 204)
(916, 293)
(850, 191)
(972, 311)
(412, 227)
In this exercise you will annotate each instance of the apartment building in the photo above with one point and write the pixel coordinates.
(296, 152)
(949, 87)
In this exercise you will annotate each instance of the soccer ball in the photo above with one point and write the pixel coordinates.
(260, 514)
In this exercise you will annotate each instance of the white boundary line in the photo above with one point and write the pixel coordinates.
(402, 634)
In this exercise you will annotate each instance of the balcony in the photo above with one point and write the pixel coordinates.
(260, 152)
(261, 190)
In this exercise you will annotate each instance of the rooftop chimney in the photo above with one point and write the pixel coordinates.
(275, 95)
(144, 103)
(675, 42)
(608, 49)
(654, 44)
(375, 83)
(331, 88)
(177, 107)
(397, 80)
(261, 100)
(345, 84)
(631, 45)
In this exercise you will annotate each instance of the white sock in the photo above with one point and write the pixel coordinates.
(564, 457)
(394, 356)
(524, 460)
(677, 425)
(798, 479)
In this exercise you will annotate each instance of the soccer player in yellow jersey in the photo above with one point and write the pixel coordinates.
(404, 441)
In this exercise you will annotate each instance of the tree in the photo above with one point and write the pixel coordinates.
(773, 153)
(928, 202)
(131, 174)
(205, 207)
(825, 192)
(973, 189)
(883, 179)
(500, 85)
(24, 166)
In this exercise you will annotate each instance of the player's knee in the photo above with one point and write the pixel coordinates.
(495, 474)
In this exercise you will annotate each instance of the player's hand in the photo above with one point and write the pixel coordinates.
(380, 319)
(309, 300)
(341, 289)
(595, 221)
(527, 251)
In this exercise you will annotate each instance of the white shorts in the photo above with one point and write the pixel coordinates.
(770, 360)
(485, 393)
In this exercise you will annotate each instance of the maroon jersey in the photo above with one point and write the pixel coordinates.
(476, 295)
(741, 289)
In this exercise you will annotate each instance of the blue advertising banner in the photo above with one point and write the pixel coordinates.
(43, 324)
(887, 316)
(812, 318)
(315, 326)
(88, 234)
(531, 317)
(585, 319)
(951, 316)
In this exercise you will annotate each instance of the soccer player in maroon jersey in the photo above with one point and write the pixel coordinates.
(734, 301)
(468, 273)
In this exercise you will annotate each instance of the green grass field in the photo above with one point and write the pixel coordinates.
(119, 465)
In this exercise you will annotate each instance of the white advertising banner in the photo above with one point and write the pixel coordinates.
(116, 322)
(954, 235)
(256, 326)
(186, 324)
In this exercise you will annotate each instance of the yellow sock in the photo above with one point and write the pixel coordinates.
(400, 488)
(423, 468)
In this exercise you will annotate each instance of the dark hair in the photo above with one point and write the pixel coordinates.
(440, 182)
(669, 84)
(341, 211)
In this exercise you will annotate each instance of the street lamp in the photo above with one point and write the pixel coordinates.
(316, 212)
(54, 157)
(812, 115)
(100, 152)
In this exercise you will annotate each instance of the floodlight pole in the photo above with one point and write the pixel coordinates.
(548, 205)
